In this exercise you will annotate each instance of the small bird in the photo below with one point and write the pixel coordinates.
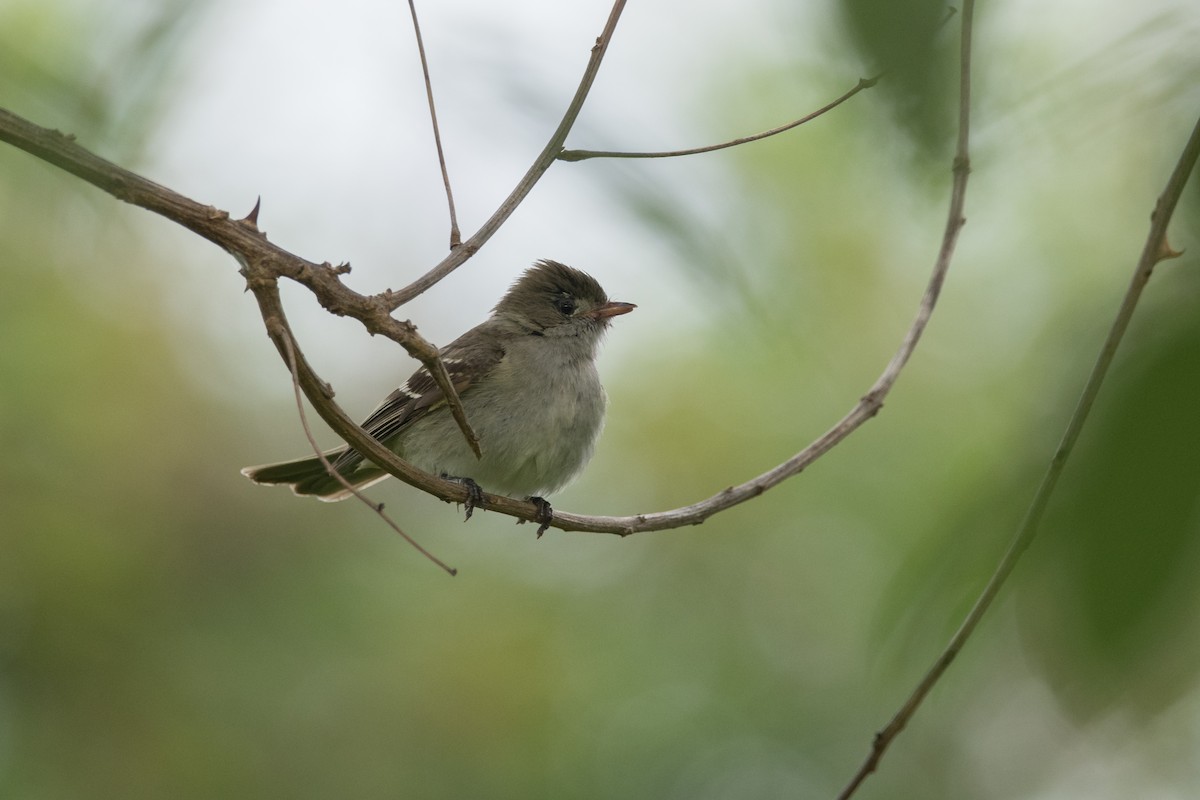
(528, 384)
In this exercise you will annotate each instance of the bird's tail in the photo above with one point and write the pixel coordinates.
(308, 476)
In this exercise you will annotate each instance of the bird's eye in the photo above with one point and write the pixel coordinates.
(565, 305)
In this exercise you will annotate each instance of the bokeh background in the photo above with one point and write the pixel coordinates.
(169, 630)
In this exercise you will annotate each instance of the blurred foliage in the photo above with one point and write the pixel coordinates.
(1114, 623)
(914, 44)
(102, 70)
(168, 630)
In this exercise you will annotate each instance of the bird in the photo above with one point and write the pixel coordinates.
(528, 384)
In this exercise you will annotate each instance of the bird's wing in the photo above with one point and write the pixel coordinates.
(468, 359)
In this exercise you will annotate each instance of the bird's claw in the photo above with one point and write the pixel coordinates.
(474, 498)
(545, 515)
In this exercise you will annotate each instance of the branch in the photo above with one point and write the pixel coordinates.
(240, 238)
(290, 356)
(455, 236)
(580, 155)
(1155, 249)
(261, 280)
(264, 263)
(459, 256)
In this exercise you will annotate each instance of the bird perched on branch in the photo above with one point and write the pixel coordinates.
(528, 384)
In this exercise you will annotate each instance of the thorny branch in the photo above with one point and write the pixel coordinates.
(1155, 249)
(264, 263)
(240, 238)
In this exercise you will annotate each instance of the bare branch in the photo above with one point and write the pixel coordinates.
(459, 256)
(264, 263)
(240, 238)
(954, 224)
(1154, 250)
(455, 236)
(290, 357)
(263, 283)
(580, 155)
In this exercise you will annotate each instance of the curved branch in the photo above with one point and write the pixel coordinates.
(580, 155)
(1155, 249)
(263, 263)
(961, 168)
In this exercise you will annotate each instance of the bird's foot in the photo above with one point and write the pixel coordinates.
(474, 495)
(545, 515)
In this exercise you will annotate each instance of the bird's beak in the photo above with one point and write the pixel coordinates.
(613, 309)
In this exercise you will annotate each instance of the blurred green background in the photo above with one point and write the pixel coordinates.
(169, 630)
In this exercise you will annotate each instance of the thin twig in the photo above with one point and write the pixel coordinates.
(455, 236)
(437, 368)
(580, 155)
(459, 256)
(376, 507)
(1154, 250)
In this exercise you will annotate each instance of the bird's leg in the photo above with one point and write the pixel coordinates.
(474, 494)
(545, 514)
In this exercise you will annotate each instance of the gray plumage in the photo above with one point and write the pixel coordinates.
(528, 383)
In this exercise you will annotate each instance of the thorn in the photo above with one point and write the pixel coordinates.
(1165, 251)
(252, 217)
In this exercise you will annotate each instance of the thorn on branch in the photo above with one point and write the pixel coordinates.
(252, 218)
(1165, 251)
